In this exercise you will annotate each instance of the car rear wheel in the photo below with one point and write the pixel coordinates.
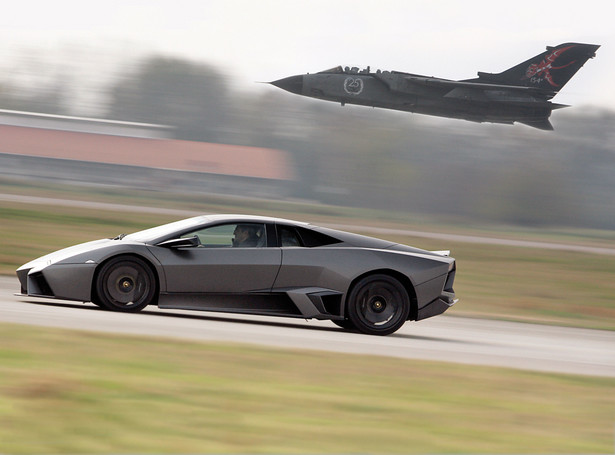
(378, 305)
(125, 284)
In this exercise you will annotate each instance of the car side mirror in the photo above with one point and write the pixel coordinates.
(188, 242)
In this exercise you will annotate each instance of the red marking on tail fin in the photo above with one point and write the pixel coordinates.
(543, 69)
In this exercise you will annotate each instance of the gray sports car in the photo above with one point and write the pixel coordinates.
(256, 265)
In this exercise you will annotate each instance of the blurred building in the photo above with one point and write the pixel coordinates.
(136, 155)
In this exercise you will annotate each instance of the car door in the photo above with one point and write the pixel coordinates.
(311, 259)
(219, 264)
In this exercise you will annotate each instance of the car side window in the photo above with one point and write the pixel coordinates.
(232, 235)
(289, 237)
(300, 236)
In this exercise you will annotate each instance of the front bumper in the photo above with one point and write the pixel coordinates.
(58, 281)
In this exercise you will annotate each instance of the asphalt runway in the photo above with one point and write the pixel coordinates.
(442, 338)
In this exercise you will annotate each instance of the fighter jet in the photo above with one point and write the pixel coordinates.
(519, 94)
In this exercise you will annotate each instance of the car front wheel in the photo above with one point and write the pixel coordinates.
(378, 305)
(125, 284)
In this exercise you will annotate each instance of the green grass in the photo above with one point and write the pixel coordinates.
(67, 391)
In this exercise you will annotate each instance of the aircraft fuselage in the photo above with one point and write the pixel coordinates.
(520, 94)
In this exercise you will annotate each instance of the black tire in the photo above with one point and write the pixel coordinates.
(344, 324)
(125, 284)
(378, 305)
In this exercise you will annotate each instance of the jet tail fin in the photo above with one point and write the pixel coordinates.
(548, 71)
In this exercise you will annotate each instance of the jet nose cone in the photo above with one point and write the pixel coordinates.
(293, 84)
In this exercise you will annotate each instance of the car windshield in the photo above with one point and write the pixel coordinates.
(159, 232)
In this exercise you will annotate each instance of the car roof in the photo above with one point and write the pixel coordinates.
(166, 231)
(251, 218)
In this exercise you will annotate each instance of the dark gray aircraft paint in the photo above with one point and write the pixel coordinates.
(519, 94)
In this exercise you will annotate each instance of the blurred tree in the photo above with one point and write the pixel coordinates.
(48, 99)
(192, 98)
(531, 193)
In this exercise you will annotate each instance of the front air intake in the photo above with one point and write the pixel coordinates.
(37, 285)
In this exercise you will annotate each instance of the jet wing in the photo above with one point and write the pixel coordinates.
(446, 83)
(471, 90)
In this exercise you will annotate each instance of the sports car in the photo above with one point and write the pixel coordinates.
(253, 265)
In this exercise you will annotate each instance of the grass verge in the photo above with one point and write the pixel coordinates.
(65, 391)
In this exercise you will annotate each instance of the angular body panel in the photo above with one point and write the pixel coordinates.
(231, 270)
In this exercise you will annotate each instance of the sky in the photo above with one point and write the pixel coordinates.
(265, 40)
